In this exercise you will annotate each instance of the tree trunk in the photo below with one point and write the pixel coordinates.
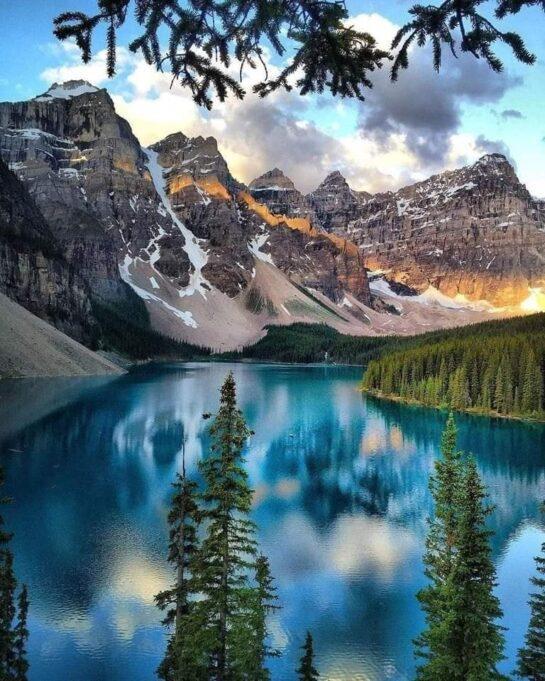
(222, 657)
(181, 573)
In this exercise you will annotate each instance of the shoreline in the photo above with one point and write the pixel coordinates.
(221, 360)
(473, 411)
(127, 366)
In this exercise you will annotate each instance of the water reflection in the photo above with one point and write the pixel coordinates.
(340, 497)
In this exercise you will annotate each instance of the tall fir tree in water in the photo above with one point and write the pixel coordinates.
(462, 640)
(231, 600)
(184, 658)
(531, 657)
(474, 638)
(13, 615)
(440, 547)
(307, 671)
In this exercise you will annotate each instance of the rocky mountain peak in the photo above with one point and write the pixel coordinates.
(492, 159)
(334, 178)
(272, 180)
(197, 158)
(495, 165)
(334, 202)
(175, 141)
(278, 193)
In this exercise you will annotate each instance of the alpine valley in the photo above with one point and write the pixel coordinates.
(98, 233)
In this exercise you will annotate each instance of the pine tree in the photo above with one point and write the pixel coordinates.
(20, 665)
(8, 586)
(516, 401)
(306, 670)
(223, 593)
(532, 388)
(228, 551)
(13, 635)
(473, 638)
(531, 657)
(440, 554)
(184, 657)
(462, 640)
(499, 393)
(459, 390)
(443, 380)
(254, 650)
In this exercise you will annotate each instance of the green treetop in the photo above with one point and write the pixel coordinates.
(232, 603)
(474, 637)
(307, 671)
(531, 657)
(462, 640)
(440, 546)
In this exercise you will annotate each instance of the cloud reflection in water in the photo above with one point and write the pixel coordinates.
(340, 497)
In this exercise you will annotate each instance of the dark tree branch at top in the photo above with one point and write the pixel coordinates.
(439, 25)
(198, 41)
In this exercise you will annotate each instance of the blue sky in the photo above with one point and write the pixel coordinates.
(402, 133)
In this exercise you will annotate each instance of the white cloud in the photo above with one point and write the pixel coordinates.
(382, 29)
(256, 135)
(72, 68)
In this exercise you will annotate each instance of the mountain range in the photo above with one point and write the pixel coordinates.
(165, 237)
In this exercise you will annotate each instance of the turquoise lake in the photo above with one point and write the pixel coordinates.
(341, 501)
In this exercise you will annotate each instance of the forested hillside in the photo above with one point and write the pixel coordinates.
(309, 343)
(495, 367)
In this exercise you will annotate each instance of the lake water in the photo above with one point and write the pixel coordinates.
(340, 498)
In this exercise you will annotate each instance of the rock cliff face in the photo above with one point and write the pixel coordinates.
(474, 232)
(33, 271)
(86, 172)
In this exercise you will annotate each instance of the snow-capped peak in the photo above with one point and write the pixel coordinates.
(67, 90)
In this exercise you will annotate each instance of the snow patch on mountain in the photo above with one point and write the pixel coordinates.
(72, 88)
(125, 272)
(272, 188)
(256, 244)
(432, 296)
(198, 257)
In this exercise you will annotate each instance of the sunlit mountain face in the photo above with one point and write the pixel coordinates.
(535, 302)
(340, 498)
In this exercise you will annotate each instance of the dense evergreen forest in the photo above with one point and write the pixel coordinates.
(495, 367)
(307, 343)
(320, 343)
(129, 333)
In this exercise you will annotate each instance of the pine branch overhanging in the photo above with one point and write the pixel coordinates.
(210, 43)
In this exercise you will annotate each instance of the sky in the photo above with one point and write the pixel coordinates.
(401, 133)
